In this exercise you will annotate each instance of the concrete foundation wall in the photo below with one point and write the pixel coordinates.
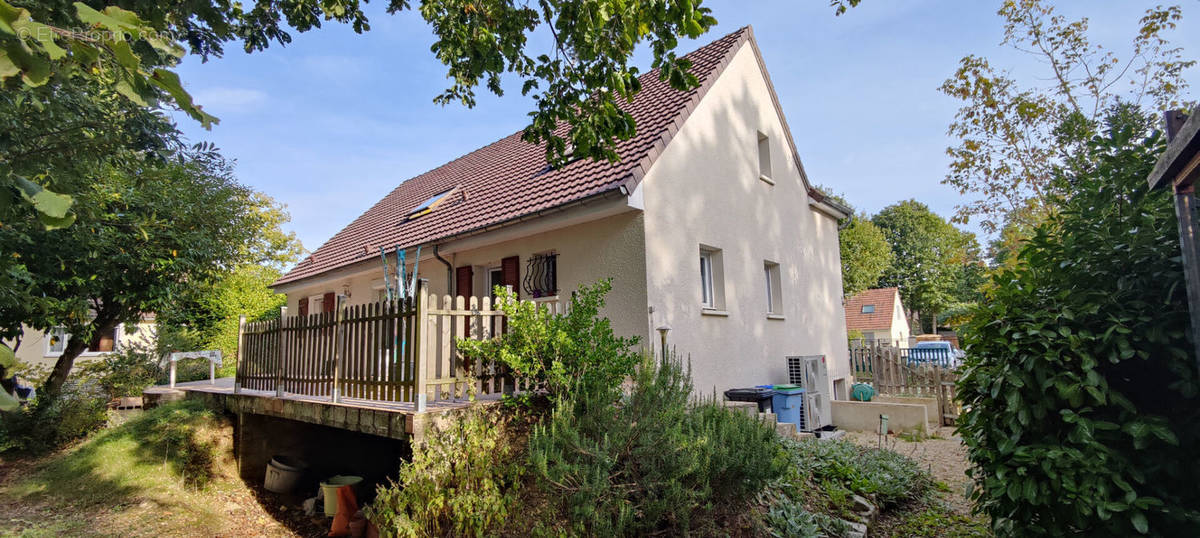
(931, 404)
(864, 416)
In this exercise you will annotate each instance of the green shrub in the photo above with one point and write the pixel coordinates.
(46, 425)
(649, 461)
(559, 351)
(1080, 394)
(816, 494)
(462, 481)
(841, 468)
(787, 518)
(125, 372)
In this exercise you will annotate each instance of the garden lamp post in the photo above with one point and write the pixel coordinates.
(662, 332)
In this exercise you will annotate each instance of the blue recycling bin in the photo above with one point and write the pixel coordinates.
(788, 404)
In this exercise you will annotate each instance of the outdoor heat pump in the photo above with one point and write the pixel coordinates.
(812, 373)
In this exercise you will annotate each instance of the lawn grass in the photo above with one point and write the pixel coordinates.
(167, 472)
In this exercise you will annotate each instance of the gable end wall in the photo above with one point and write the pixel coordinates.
(705, 190)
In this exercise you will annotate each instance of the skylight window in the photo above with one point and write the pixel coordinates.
(429, 205)
(868, 309)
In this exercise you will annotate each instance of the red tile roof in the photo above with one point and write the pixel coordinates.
(884, 300)
(509, 179)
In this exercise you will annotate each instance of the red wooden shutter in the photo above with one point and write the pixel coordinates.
(103, 340)
(328, 302)
(303, 306)
(462, 281)
(510, 271)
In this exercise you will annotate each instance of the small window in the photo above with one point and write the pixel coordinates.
(868, 309)
(712, 287)
(764, 157)
(541, 275)
(774, 288)
(706, 279)
(429, 205)
(56, 341)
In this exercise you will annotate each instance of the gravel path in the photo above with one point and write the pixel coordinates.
(945, 457)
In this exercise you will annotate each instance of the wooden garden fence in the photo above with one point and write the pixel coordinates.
(388, 351)
(891, 372)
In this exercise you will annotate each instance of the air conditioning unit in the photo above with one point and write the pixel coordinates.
(812, 373)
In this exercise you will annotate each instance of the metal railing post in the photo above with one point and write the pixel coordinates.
(418, 348)
(279, 352)
(339, 341)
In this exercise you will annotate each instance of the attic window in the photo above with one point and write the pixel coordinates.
(868, 309)
(429, 205)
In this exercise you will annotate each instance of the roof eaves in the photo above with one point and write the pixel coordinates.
(1184, 146)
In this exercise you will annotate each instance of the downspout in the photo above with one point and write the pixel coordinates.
(437, 253)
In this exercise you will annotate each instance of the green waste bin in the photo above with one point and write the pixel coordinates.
(862, 392)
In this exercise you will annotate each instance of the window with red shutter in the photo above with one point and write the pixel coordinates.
(511, 269)
(103, 340)
(462, 281)
(328, 302)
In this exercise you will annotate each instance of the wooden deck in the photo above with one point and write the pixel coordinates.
(396, 420)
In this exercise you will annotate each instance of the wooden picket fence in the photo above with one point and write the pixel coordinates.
(389, 351)
(889, 370)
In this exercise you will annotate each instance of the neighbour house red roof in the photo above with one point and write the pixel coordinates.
(510, 180)
(884, 301)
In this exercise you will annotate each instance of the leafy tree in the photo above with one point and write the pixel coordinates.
(866, 254)
(1080, 395)
(1014, 134)
(929, 253)
(205, 316)
(580, 79)
(144, 236)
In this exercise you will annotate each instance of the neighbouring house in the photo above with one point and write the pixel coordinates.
(41, 349)
(877, 316)
(708, 225)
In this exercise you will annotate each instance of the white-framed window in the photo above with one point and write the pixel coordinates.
(495, 277)
(712, 286)
(774, 288)
(764, 158)
(56, 341)
(102, 341)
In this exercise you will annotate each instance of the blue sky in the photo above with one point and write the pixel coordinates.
(335, 120)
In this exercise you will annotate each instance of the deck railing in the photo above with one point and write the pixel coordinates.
(391, 351)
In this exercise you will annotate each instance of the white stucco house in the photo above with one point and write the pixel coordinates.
(877, 316)
(41, 349)
(708, 224)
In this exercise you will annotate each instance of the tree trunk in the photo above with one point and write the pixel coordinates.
(66, 361)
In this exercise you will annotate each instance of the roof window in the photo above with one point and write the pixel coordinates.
(868, 309)
(432, 203)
